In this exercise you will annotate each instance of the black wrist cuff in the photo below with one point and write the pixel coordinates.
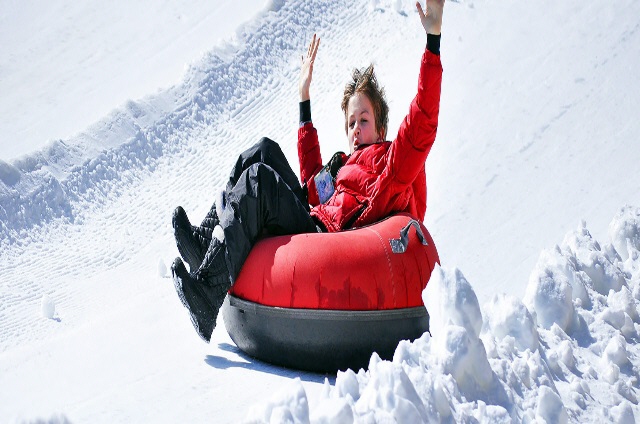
(305, 111)
(433, 43)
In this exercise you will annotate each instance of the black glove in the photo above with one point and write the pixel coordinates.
(335, 163)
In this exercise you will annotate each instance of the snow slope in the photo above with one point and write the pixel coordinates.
(537, 131)
(65, 66)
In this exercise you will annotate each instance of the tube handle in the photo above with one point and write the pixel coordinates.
(399, 245)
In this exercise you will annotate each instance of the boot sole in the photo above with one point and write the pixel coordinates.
(177, 284)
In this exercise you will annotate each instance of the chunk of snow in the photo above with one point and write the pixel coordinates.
(162, 269)
(47, 307)
(623, 301)
(550, 407)
(549, 295)
(616, 351)
(347, 384)
(622, 413)
(390, 390)
(330, 411)
(593, 261)
(288, 405)
(507, 316)
(624, 232)
(449, 299)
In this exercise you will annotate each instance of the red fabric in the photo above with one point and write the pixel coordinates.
(383, 178)
(348, 270)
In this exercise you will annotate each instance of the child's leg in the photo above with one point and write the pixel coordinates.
(260, 200)
(196, 239)
(268, 152)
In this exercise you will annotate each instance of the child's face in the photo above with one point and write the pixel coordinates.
(361, 122)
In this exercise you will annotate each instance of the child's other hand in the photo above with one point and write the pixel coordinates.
(432, 19)
(306, 70)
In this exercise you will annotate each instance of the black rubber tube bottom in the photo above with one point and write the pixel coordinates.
(320, 340)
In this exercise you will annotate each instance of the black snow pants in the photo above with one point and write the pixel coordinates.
(263, 195)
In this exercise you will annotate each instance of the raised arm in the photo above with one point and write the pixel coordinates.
(418, 130)
(306, 70)
(308, 147)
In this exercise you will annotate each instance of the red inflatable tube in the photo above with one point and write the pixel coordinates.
(349, 270)
(327, 301)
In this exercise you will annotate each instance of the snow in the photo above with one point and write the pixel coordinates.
(115, 114)
(62, 60)
(48, 307)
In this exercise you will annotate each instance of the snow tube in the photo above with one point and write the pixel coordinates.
(326, 301)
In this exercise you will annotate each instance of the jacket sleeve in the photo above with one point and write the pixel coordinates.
(418, 130)
(310, 159)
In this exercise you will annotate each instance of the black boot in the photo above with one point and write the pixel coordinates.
(192, 248)
(193, 241)
(203, 292)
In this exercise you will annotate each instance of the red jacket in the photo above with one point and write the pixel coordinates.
(382, 178)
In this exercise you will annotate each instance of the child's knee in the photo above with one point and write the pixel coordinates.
(266, 141)
(267, 145)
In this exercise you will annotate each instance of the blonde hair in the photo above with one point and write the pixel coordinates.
(364, 81)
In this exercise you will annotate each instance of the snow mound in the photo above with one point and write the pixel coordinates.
(567, 352)
(288, 405)
(624, 232)
(9, 174)
(47, 307)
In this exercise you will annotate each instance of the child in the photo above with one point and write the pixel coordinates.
(263, 194)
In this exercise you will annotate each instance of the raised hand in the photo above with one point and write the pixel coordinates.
(306, 70)
(432, 19)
